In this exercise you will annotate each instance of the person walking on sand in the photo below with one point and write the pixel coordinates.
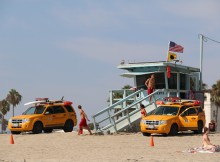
(83, 122)
(150, 84)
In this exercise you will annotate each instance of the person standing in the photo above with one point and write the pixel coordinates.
(83, 122)
(150, 84)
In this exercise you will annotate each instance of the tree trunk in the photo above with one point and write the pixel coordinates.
(2, 124)
(216, 116)
(13, 112)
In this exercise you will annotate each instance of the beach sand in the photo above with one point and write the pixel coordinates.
(122, 147)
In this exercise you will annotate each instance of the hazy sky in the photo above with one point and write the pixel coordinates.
(55, 48)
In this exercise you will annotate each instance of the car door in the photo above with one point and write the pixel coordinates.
(59, 116)
(48, 117)
(188, 119)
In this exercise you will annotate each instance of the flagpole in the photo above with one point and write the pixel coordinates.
(201, 58)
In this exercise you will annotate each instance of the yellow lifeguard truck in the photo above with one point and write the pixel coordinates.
(44, 115)
(173, 115)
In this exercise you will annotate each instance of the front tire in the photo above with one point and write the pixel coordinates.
(68, 127)
(146, 134)
(38, 127)
(15, 132)
(173, 130)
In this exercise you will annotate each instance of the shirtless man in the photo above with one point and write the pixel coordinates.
(150, 84)
(206, 141)
(83, 122)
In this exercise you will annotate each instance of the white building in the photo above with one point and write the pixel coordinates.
(210, 111)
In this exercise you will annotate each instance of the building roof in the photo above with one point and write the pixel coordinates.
(142, 68)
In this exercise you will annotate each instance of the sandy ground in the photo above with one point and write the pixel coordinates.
(123, 147)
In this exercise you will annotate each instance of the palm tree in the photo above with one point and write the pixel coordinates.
(127, 87)
(14, 98)
(4, 108)
(216, 97)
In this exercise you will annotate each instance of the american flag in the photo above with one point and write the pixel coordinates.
(175, 47)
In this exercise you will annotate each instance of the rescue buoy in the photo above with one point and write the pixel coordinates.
(168, 71)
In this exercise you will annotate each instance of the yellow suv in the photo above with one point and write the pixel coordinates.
(173, 115)
(44, 115)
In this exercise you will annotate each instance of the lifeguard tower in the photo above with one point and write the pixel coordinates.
(171, 80)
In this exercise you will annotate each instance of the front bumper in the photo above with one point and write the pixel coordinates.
(20, 126)
(160, 129)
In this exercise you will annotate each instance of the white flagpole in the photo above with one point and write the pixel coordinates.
(201, 58)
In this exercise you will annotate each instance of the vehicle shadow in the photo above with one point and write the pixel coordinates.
(180, 134)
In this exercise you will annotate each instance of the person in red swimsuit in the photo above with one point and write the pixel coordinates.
(83, 122)
(150, 84)
(143, 111)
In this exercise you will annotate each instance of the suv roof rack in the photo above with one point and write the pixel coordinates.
(177, 101)
(47, 101)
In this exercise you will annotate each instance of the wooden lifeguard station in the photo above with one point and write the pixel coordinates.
(171, 80)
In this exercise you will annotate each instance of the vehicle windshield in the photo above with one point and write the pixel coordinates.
(166, 110)
(34, 110)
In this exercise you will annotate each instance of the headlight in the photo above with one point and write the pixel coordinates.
(163, 122)
(25, 120)
(10, 120)
(143, 121)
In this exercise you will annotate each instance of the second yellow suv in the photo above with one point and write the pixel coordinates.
(44, 115)
(174, 115)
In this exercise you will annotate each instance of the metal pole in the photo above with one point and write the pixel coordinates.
(201, 59)
(94, 124)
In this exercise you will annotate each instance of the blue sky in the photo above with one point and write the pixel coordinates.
(54, 48)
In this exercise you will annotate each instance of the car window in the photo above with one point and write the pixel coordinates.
(39, 109)
(190, 112)
(69, 108)
(58, 109)
(166, 110)
(200, 110)
(182, 109)
(30, 110)
(34, 110)
(50, 110)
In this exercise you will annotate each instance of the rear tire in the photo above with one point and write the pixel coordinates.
(173, 130)
(200, 128)
(38, 127)
(164, 135)
(68, 127)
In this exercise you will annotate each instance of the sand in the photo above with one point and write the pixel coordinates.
(123, 147)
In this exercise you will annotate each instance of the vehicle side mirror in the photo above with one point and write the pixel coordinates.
(47, 112)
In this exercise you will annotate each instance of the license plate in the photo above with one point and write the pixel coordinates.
(15, 125)
(150, 126)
